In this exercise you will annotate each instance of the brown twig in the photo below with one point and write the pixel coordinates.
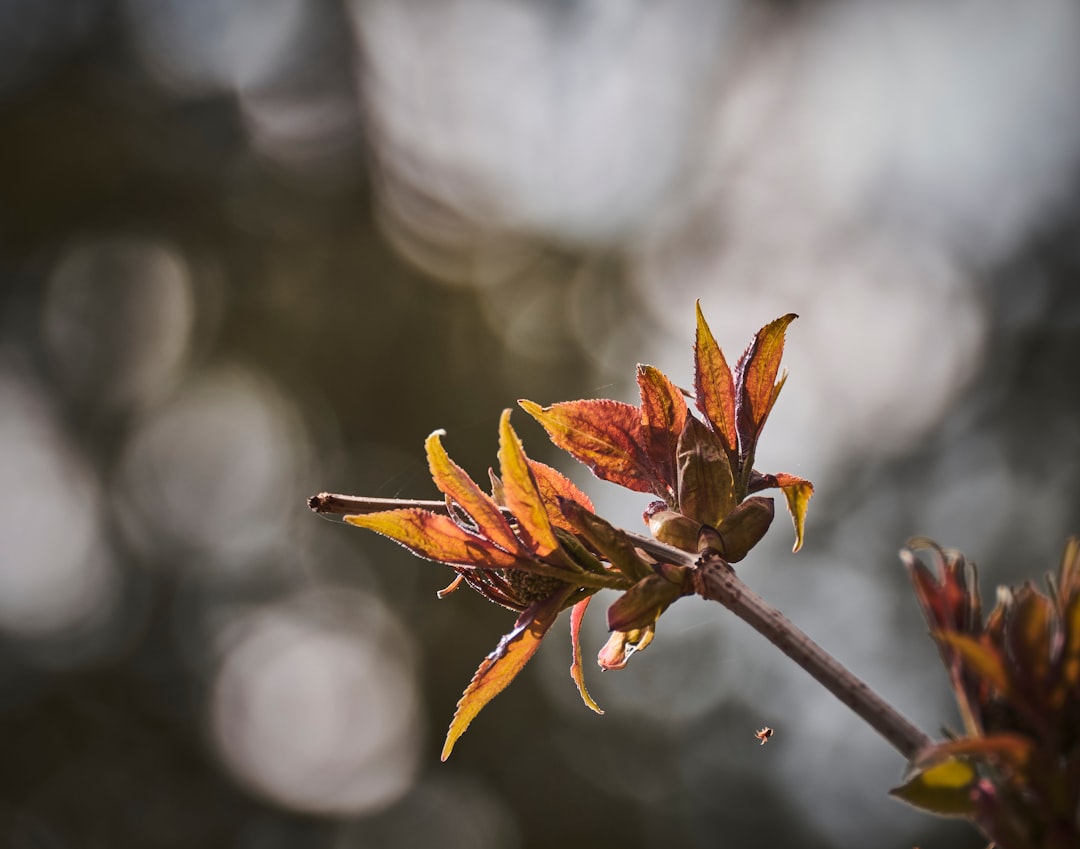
(714, 579)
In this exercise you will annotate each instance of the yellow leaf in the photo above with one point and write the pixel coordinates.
(452, 481)
(502, 665)
(522, 496)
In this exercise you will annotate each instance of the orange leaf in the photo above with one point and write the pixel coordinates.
(554, 485)
(1028, 634)
(604, 435)
(452, 481)
(713, 384)
(1070, 657)
(522, 496)
(502, 665)
(577, 671)
(663, 416)
(981, 659)
(1013, 749)
(756, 378)
(435, 537)
(797, 493)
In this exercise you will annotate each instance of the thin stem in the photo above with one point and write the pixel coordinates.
(714, 579)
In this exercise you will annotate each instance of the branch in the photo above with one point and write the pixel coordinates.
(714, 579)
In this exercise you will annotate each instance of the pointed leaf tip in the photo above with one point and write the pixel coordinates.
(435, 536)
(797, 493)
(523, 498)
(453, 482)
(714, 386)
(501, 666)
(756, 378)
(577, 671)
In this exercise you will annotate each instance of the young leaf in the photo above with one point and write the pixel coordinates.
(522, 497)
(641, 605)
(554, 485)
(604, 435)
(713, 384)
(611, 542)
(706, 484)
(622, 645)
(797, 493)
(502, 665)
(744, 527)
(435, 537)
(663, 416)
(982, 659)
(671, 527)
(452, 481)
(755, 376)
(577, 671)
(944, 788)
(1013, 749)
(1028, 632)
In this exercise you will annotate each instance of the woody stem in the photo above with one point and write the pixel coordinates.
(714, 579)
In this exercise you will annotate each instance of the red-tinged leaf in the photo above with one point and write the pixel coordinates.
(577, 670)
(1012, 749)
(797, 493)
(714, 387)
(1069, 572)
(502, 665)
(980, 658)
(554, 485)
(522, 496)
(663, 416)
(1070, 659)
(944, 788)
(641, 605)
(1028, 633)
(948, 593)
(706, 483)
(453, 482)
(604, 435)
(756, 383)
(622, 645)
(927, 590)
(435, 537)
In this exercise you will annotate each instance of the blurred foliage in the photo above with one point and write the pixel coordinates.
(240, 263)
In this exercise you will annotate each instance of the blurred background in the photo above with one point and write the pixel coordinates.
(250, 251)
